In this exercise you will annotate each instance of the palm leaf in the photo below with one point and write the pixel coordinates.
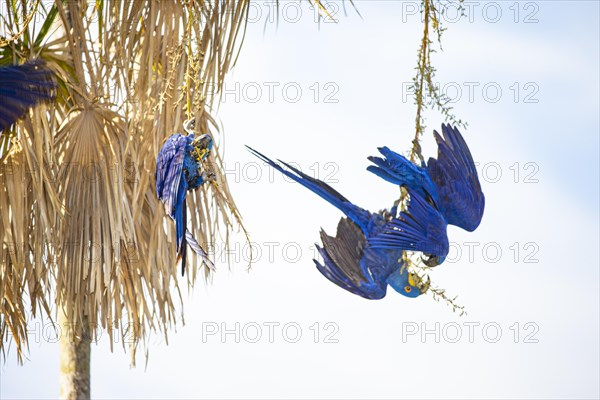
(91, 209)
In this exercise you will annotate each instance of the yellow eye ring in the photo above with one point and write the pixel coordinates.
(407, 289)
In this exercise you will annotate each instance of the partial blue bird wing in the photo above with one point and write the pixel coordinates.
(420, 228)
(171, 188)
(332, 272)
(395, 168)
(169, 171)
(345, 263)
(461, 200)
(358, 215)
(22, 87)
(380, 263)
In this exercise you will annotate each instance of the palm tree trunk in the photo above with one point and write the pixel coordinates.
(74, 361)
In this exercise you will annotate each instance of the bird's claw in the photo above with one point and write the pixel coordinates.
(209, 176)
(199, 154)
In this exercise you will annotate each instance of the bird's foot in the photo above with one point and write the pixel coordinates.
(209, 176)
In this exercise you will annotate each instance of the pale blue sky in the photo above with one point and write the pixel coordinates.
(363, 63)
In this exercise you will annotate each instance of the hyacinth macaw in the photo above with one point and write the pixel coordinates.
(179, 170)
(23, 86)
(349, 260)
(449, 184)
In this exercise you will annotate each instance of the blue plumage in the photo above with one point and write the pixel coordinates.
(450, 186)
(450, 181)
(349, 260)
(460, 198)
(396, 169)
(422, 229)
(179, 170)
(22, 87)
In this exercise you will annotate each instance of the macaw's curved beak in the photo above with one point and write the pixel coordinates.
(189, 125)
(202, 146)
(431, 260)
(203, 142)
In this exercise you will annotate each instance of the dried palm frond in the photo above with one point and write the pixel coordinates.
(128, 74)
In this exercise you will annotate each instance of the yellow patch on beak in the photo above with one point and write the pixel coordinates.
(411, 280)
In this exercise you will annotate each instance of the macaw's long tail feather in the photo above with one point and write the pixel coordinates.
(355, 213)
(183, 256)
(182, 239)
(23, 86)
(199, 250)
(180, 217)
(395, 168)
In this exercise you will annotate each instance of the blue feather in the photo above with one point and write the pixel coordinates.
(461, 199)
(395, 168)
(450, 182)
(22, 87)
(358, 215)
(349, 260)
(178, 172)
(420, 228)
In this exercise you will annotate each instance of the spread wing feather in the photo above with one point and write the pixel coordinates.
(460, 198)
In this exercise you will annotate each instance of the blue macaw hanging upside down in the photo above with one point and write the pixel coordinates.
(179, 170)
(349, 260)
(449, 184)
(366, 254)
(23, 86)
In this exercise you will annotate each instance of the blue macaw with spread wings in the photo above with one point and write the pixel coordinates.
(179, 170)
(23, 86)
(349, 260)
(449, 184)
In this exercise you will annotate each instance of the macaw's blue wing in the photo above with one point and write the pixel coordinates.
(395, 168)
(420, 228)
(171, 187)
(358, 215)
(460, 198)
(169, 171)
(352, 264)
(22, 87)
(346, 262)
